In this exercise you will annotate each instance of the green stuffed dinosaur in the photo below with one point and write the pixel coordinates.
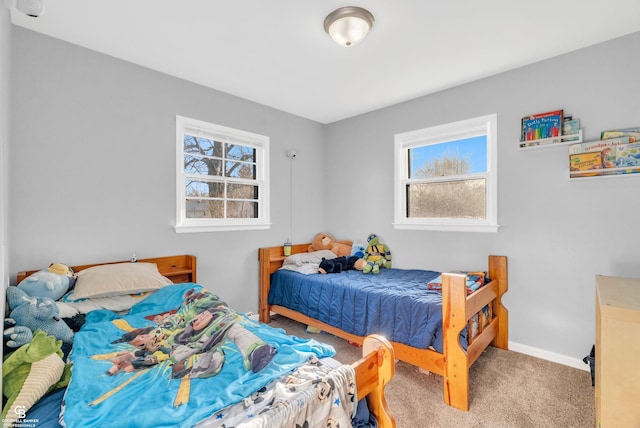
(30, 372)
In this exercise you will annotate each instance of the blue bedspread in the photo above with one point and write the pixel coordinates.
(168, 384)
(396, 303)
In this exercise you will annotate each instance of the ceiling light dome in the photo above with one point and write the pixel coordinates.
(347, 26)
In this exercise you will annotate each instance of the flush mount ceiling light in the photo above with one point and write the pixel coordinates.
(33, 8)
(347, 26)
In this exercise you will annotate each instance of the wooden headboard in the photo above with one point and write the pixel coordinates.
(178, 269)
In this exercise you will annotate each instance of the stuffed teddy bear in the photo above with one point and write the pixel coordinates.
(33, 313)
(340, 264)
(52, 282)
(324, 241)
(377, 255)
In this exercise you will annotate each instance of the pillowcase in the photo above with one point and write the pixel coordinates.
(69, 307)
(299, 259)
(307, 263)
(118, 279)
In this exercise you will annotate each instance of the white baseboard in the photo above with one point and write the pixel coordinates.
(549, 356)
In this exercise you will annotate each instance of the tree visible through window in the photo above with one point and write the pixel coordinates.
(451, 198)
(223, 181)
(445, 177)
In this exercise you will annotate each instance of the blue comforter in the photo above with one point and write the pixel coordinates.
(396, 303)
(121, 377)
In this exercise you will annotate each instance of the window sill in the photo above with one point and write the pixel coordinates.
(448, 227)
(220, 228)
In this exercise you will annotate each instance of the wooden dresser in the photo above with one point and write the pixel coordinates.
(617, 388)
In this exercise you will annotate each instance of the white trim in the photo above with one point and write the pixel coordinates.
(223, 134)
(484, 125)
(565, 360)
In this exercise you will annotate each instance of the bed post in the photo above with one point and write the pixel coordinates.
(456, 368)
(498, 272)
(264, 274)
(385, 369)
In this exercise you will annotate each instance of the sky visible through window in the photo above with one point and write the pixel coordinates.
(474, 148)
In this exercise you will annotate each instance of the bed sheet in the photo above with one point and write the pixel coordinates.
(174, 373)
(396, 303)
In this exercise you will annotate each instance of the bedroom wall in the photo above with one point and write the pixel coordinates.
(5, 49)
(557, 233)
(92, 179)
(92, 168)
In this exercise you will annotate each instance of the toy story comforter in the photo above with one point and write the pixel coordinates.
(397, 303)
(176, 358)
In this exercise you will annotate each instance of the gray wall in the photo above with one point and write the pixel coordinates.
(93, 166)
(92, 178)
(557, 233)
(5, 49)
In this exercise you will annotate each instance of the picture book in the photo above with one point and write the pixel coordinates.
(542, 125)
(632, 133)
(585, 164)
(571, 127)
(628, 155)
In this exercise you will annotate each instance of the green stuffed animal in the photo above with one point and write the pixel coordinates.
(376, 256)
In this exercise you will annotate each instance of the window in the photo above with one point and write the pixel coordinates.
(222, 178)
(446, 177)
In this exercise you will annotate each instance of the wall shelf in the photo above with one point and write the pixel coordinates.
(544, 143)
(606, 173)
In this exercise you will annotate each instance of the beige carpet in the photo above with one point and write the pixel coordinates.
(508, 389)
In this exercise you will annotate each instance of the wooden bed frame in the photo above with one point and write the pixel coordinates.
(373, 371)
(457, 309)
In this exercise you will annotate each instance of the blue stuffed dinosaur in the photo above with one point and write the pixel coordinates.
(33, 313)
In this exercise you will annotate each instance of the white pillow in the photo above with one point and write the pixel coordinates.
(118, 279)
(299, 259)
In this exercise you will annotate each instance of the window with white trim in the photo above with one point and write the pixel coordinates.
(446, 177)
(222, 178)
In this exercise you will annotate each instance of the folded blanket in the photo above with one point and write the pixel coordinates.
(475, 280)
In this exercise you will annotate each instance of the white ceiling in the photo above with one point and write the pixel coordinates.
(276, 52)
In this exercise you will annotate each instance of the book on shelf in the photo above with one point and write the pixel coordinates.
(541, 126)
(586, 164)
(632, 133)
(628, 155)
(570, 127)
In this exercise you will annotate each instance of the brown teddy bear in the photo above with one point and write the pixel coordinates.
(324, 241)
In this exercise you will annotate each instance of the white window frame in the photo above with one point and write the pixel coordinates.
(484, 125)
(198, 128)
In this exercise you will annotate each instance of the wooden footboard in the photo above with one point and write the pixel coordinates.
(373, 371)
(457, 307)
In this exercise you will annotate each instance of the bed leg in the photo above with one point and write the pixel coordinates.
(456, 369)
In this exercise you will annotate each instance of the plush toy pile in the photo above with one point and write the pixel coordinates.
(369, 257)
